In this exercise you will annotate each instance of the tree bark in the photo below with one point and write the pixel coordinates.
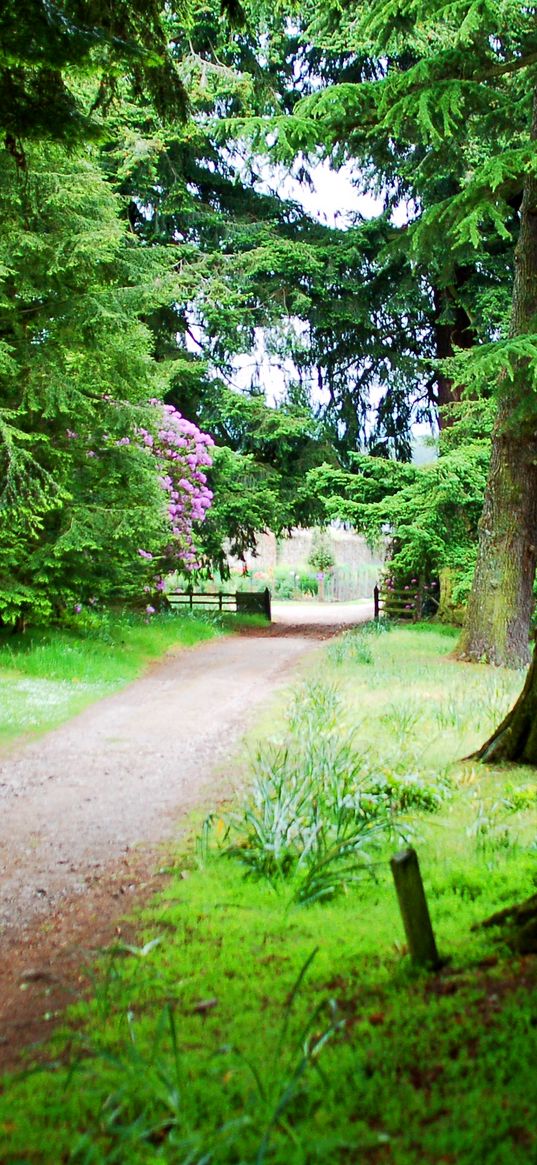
(501, 602)
(519, 925)
(452, 329)
(515, 739)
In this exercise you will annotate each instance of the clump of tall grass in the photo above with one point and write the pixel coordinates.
(141, 1096)
(410, 791)
(354, 646)
(317, 812)
(490, 830)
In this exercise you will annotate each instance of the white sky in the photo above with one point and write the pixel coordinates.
(334, 198)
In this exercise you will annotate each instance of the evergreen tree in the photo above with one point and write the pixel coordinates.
(80, 491)
(48, 48)
(439, 298)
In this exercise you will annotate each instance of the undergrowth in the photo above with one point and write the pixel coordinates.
(320, 808)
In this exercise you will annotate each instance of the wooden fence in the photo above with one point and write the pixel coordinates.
(416, 601)
(398, 602)
(240, 602)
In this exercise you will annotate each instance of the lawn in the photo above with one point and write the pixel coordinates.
(47, 676)
(276, 1017)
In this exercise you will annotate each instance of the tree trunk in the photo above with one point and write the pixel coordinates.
(516, 737)
(519, 925)
(452, 329)
(501, 602)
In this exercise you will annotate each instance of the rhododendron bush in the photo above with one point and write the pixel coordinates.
(182, 453)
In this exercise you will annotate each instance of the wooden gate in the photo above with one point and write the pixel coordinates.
(240, 602)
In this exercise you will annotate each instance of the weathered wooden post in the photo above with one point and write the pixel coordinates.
(414, 910)
(220, 600)
(267, 604)
(376, 597)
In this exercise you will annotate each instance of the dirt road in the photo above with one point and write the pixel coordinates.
(128, 767)
(77, 804)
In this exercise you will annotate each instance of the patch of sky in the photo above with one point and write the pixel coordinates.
(337, 198)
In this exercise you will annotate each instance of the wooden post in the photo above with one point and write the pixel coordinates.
(421, 593)
(414, 910)
(220, 600)
(376, 598)
(268, 608)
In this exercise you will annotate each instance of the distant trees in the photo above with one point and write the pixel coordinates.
(429, 513)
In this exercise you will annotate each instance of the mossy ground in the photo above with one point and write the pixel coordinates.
(215, 1039)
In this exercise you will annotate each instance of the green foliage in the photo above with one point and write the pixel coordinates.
(294, 584)
(78, 493)
(179, 1052)
(351, 647)
(428, 106)
(318, 810)
(429, 513)
(260, 469)
(50, 47)
(321, 554)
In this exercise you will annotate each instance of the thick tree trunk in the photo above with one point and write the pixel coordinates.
(515, 739)
(501, 603)
(519, 925)
(453, 329)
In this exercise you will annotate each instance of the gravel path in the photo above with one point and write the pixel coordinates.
(127, 769)
(85, 809)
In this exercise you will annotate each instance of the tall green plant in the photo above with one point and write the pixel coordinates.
(79, 494)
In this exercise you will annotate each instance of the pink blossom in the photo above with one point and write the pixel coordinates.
(182, 453)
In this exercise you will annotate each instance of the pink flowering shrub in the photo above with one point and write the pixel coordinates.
(182, 453)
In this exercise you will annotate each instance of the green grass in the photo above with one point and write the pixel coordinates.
(47, 676)
(223, 1038)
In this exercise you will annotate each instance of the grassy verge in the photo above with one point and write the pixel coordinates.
(47, 676)
(248, 1027)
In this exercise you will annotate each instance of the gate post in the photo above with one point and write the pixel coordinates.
(376, 601)
(268, 609)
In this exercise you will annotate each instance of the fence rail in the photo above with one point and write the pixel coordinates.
(241, 602)
(409, 603)
(397, 603)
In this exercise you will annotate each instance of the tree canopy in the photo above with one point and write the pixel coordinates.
(147, 246)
